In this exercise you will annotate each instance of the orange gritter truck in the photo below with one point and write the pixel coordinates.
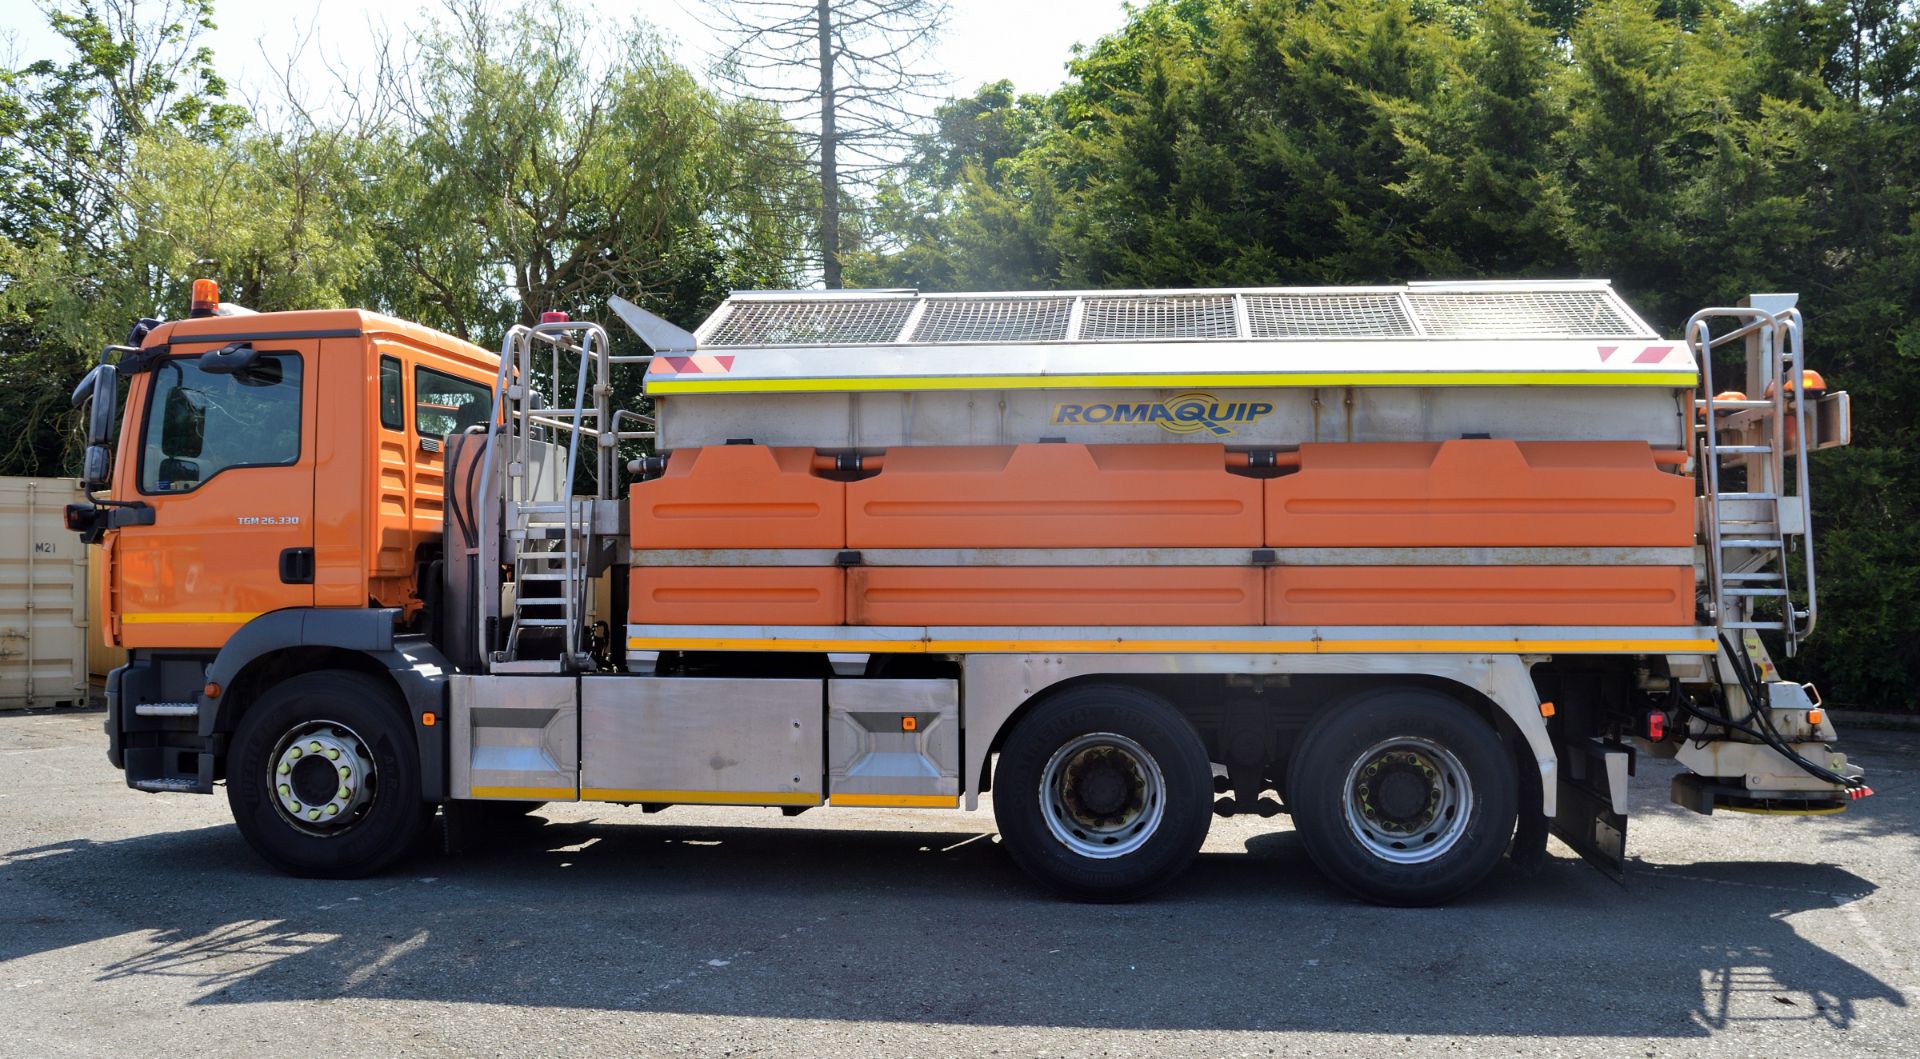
(1425, 567)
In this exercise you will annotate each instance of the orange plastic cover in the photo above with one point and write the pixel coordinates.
(1480, 595)
(737, 595)
(1033, 595)
(1479, 493)
(1055, 496)
(739, 496)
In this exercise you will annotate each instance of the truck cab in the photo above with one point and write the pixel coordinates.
(273, 503)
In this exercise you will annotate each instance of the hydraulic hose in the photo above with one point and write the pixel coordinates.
(1764, 730)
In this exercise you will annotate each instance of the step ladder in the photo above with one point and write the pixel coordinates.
(546, 531)
(1758, 438)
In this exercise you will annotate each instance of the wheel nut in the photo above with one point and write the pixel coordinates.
(334, 754)
(345, 792)
(314, 746)
(285, 768)
(345, 772)
(332, 809)
(313, 814)
(285, 792)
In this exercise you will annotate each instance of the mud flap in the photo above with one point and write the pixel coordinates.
(1591, 811)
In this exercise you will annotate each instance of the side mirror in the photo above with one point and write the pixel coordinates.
(100, 414)
(95, 472)
(183, 425)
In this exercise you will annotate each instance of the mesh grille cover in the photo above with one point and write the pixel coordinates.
(1534, 313)
(1326, 315)
(812, 322)
(994, 320)
(1159, 316)
(832, 318)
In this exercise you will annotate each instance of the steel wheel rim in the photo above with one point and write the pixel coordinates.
(294, 774)
(1376, 798)
(1102, 795)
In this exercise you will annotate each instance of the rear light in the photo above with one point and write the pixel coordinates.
(1655, 726)
(206, 298)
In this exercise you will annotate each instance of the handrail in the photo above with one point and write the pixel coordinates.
(1795, 333)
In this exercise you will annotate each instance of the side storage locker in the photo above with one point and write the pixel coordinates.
(893, 743)
(696, 740)
(514, 737)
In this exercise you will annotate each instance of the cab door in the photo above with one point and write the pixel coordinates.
(227, 463)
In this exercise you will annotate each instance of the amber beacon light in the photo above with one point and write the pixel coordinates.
(206, 298)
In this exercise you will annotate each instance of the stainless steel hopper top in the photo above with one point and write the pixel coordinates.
(1553, 333)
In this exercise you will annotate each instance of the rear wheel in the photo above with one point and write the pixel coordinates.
(1404, 796)
(1103, 793)
(323, 777)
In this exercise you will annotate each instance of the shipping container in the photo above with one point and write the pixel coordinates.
(43, 596)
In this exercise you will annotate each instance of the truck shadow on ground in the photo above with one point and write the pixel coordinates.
(791, 921)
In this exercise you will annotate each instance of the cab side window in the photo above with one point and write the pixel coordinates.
(446, 405)
(392, 401)
(200, 423)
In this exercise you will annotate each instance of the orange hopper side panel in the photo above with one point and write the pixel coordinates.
(1480, 595)
(1479, 493)
(739, 496)
(1055, 496)
(737, 595)
(1083, 595)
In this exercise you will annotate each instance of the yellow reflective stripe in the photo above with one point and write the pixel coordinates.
(203, 618)
(897, 801)
(526, 794)
(728, 384)
(614, 794)
(1292, 647)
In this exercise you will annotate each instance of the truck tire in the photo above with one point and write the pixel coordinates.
(323, 777)
(1103, 793)
(1403, 796)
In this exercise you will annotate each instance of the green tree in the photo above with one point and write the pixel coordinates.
(68, 132)
(531, 180)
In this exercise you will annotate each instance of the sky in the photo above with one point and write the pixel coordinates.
(1025, 41)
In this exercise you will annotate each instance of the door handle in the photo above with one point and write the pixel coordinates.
(296, 566)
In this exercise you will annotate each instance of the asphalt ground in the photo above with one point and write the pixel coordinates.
(135, 924)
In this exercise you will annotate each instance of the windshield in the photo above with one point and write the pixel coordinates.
(199, 423)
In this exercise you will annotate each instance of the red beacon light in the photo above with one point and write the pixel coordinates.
(552, 316)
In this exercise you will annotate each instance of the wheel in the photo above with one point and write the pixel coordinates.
(324, 779)
(1103, 793)
(1404, 796)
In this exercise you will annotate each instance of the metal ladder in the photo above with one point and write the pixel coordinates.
(1748, 528)
(546, 530)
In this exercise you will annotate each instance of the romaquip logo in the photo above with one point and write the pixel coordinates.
(1188, 413)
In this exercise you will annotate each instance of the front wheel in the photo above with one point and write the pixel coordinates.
(1404, 796)
(324, 778)
(1103, 793)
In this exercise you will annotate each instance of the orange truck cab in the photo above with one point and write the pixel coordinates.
(277, 488)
